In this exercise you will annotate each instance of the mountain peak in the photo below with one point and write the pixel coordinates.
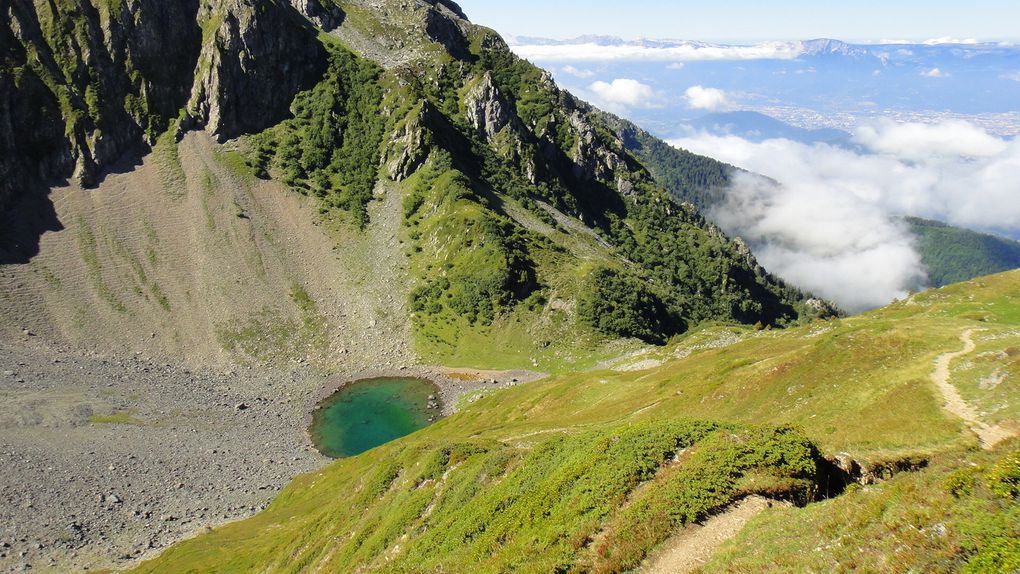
(830, 47)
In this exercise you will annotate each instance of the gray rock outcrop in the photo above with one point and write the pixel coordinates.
(258, 59)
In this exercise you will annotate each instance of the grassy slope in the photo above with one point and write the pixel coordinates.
(945, 519)
(952, 254)
(858, 385)
(480, 506)
(448, 238)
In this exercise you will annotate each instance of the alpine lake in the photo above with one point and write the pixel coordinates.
(366, 413)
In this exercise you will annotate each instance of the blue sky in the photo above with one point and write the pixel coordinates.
(751, 20)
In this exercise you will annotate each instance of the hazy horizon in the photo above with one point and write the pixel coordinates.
(739, 21)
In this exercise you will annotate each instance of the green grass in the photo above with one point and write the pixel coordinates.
(591, 471)
(117, 418)
(168, 161)
(481, 506)
(858, 385)
(949, 518)
(234, 161)
(989, 378)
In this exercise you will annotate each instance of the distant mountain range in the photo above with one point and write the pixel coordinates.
(813, 83)
(758, 127)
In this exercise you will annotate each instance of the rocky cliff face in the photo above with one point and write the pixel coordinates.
(487, 109)
(86, 82)
(258, 55)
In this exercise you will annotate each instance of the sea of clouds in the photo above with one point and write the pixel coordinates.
(833, 223)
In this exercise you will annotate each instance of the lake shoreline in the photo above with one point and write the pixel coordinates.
(452, 383)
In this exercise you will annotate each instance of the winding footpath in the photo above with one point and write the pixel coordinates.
(989, 436)
(694, 546)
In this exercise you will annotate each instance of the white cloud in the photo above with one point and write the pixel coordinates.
(625, 92)
(918, 142)
(676, 66)
(579, 73)
(949, 40)
(1015, 76)
(832, 225)
(935, 73)
(702, 98)
(675, 52)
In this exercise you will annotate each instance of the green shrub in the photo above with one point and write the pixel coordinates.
(960, 482)
(622, 304)
(1000, 554)
(332, 145)
(1004, 478)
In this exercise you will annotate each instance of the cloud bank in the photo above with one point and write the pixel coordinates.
(950, 40)
(655, 51)
(833, 227)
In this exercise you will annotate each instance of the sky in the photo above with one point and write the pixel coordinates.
(753, 20)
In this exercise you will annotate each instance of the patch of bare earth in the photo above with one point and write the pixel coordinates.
(693, 546)
(988, 435)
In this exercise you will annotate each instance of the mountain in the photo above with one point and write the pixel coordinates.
(517, 220)
(830, 47)
(218, 212)
(953, 254)
(592, 471)
(822, 83)
(758, 127)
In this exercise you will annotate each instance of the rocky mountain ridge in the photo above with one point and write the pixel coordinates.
(341, 101)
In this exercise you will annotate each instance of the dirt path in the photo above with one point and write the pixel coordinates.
(954, 403)
(689, 550)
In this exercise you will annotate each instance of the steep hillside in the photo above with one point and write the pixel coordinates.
(578, 473)
(529, 235)
(953, 254)
(949, 254)
(960, 515)
(200, 261)
(691, 178)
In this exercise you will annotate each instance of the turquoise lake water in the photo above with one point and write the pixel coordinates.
(367, 413)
